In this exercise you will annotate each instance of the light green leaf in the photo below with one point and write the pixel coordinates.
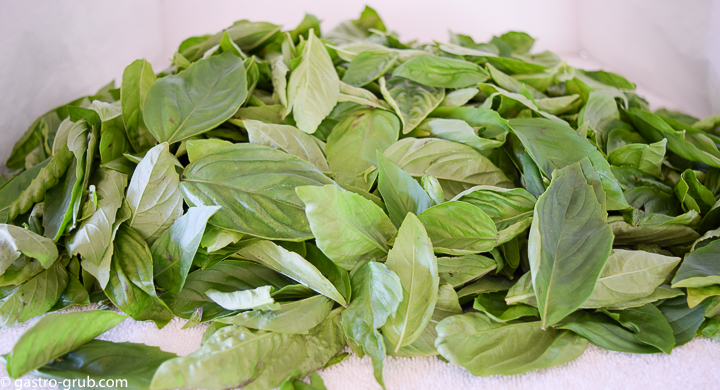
(457, 130)
(197, 99)
(411, 101)
(263, 359)
(648, 325)
(345, 236)
(153, 194)
(465, 269)
(258, 199)
(700, 268)
(137, 79)
(33, 298)
(314, 86)
(568, 246)
(433, 188)
(692, 194)
(458, 167)
(647, 158)
(485, 347)
(401, 193)
(504, 206)
(628, 276)
(354, 142)
(113, 139)
(291, 265)
(367, 66)
(197, 148)
(459, 97)
(441, 72)
(361, 96)
(494, 306)
(540, 138)
(412, 259)
(215, 238)
(174, 251)
(377, 293)
(55, 335)
(16, 241)
(459, 228)
(93, 238)
(131, 286)
(290, 140)
(258, 298)
(296, 317)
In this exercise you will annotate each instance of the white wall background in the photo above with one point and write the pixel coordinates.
(54, 51)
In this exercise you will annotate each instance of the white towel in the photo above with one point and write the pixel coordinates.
(695, 365)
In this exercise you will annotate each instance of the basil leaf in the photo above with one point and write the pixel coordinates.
(647, 158)
(33, 298)
(458, 167)
(494, 306)
(485, 347)
(602, 331)
(402, 194)
(153, 194)
(441, 72)
(16, 241)
(700, 268)
(568, 246)
(411, 101)
(196, 100)
(55, 335)
(98, 360)
(290, 140)
(345, 236)
(314, 86)
(354, 142)
(648, 325)
(263, 205)
(504, 206)
(137, 79)
(377, 292)
(683, 320)
(367, 66)
(291, 265)
(258, 298)
(412, 259)
(458, 228)
(296, 317)
(460, 270)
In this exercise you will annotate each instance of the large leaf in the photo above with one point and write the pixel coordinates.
(314, 86)
(665, 231)
(174, 251)
(629, 275)
(540, 137)
(153, 194)
(292, 317)
(290, 140)
(226, 276)
(291, 265)
(504, 206)
(411, 101)
(16, 241)
(257, 195)
(377, 292)
(98, 360)
(196, 100)
(263, 359)
(700, 268)
(568, 246)
(485, 347)
(458, 167)
(354, 142)
(441, 72)
(447, 305)
(367, 66)
(33, 298)
(131, 286)
(401, 193)
(55, 335)
(137, 79)
(344, 235)
(413, 260)
(602, 331)
(459, 228)
(648, 325)
(93, 238)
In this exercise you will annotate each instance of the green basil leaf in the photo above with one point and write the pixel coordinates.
(413, 260)
(296, 317)
(684, 320)
(377, 292)
(602, 331)
(504, 206)
(196, 100)
(494, 306)
(55, 335)
(459, 228)
(465, 269)
(175, 249)
(354, 142)
(441, 72)
(648, 325)
(647, 158)
(98, 360)
(16, 241)
(293, 266)
(33, 298)
(258, 298)
(458, 167)
(290, 140)
(402, 194)
(457, 130)
(569, 244)
(700, 268)
(485, 347)
(280, 354)
(260, 204)
(113, 140)
(131, 286)
(314, 86)
(345, 236)
(368, 66)
(411, 101)
(137, 79)
(693, 195)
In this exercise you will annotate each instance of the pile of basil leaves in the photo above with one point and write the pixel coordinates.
(303, 192)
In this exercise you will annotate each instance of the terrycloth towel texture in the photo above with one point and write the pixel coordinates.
(693, 366)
